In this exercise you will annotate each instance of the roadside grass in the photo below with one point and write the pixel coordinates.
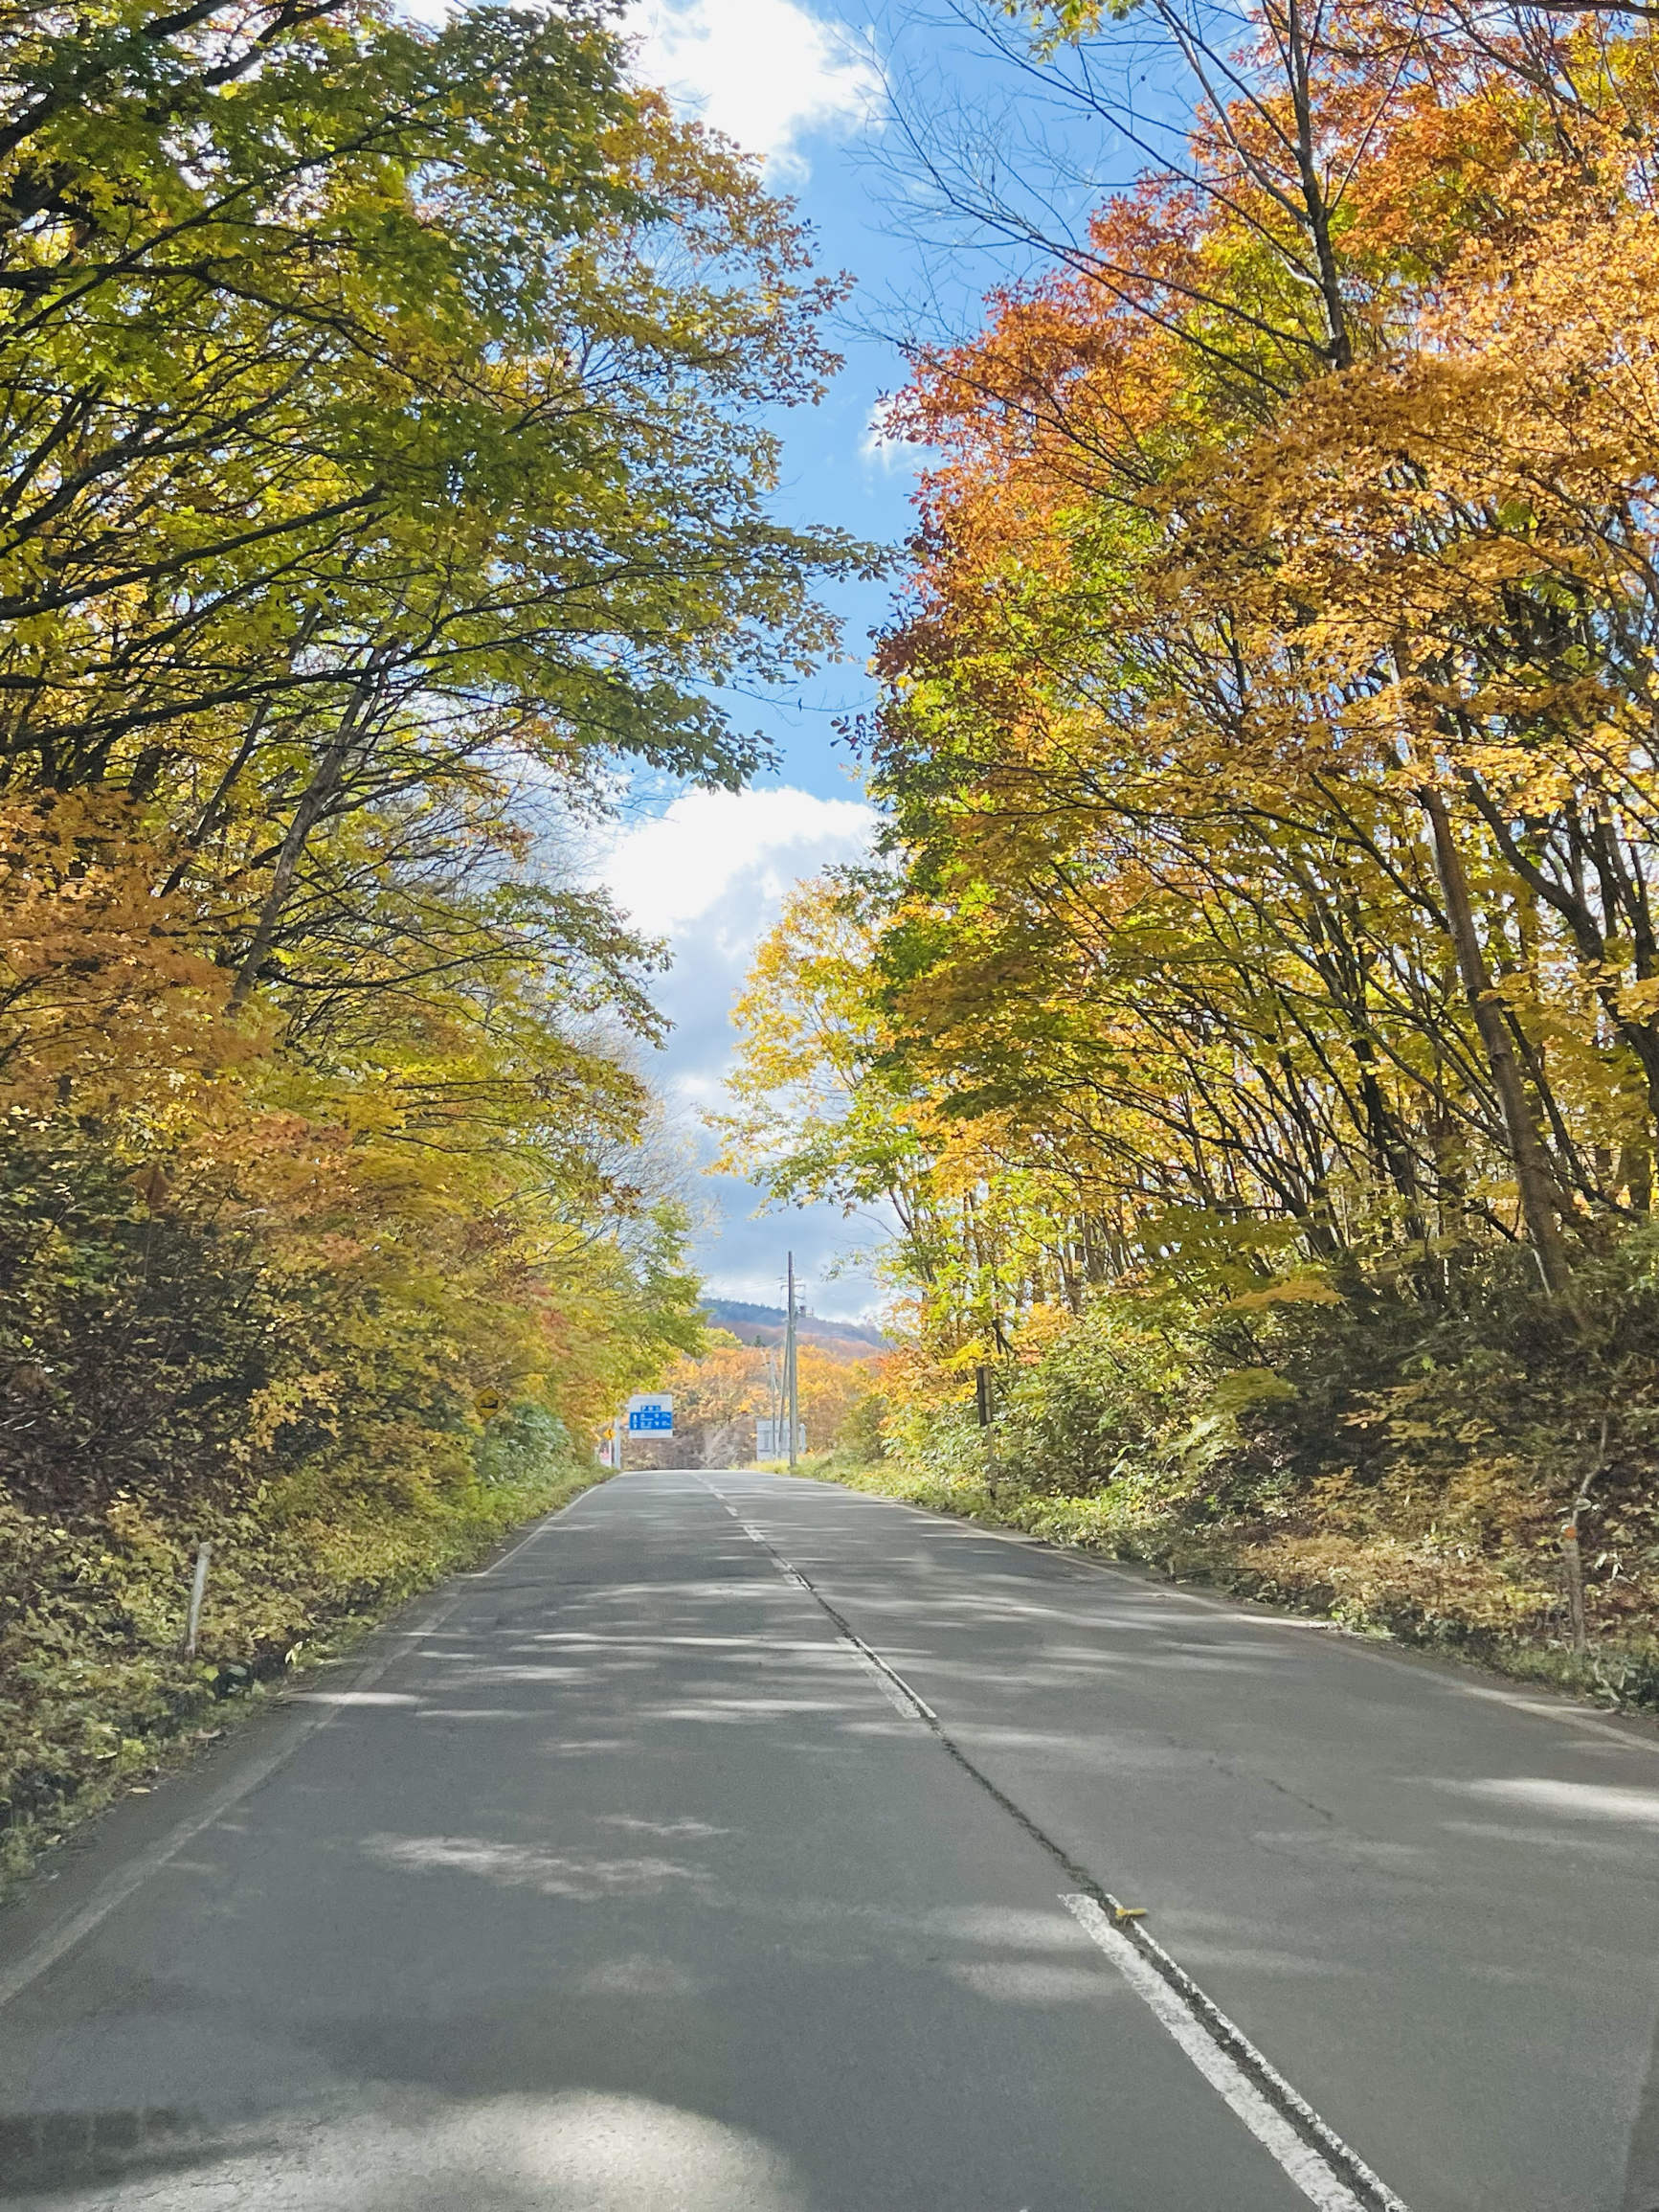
(96, 1695)
(1393, 1594)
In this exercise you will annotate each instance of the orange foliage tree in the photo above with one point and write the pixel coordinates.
(1268, 743)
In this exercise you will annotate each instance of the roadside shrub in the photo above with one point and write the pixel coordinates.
(1400, 1456)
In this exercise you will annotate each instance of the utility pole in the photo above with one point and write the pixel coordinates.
(790, 1389)
(774, 1356)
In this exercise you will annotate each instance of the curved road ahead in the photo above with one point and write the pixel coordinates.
(741, 1844)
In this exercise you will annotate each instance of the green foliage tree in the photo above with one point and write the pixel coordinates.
(388, 416)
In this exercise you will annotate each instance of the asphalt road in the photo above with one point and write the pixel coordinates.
(617, 1878)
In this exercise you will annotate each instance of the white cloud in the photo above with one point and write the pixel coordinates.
(674, 868)
(710, 875)
(765, 71)
(880, 446)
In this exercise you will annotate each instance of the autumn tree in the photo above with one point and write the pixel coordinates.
(388, 419)
(1260, 976)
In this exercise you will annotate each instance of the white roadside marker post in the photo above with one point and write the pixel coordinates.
(198, 1591)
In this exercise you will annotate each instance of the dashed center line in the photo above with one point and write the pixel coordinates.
(1326, 2171)
(891, 1684)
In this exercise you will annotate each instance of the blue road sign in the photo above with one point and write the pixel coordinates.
(651, 1414)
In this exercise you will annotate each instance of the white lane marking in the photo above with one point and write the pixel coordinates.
(1196, 2024)
(795, 1580)
(1634, 1735)
(917, 1706)
(900, 1700)
(540, 1529)
(1185, 2019)
(115, 1888)
(887, 1679)
(343, 1698)
(118, 1887)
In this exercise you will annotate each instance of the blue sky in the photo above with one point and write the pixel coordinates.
(817, 95)
(708, 870)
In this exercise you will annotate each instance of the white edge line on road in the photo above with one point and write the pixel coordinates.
(118, 1887)
(540, 1529)
(1316, 2180)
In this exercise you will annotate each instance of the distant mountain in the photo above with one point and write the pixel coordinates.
(766, 1323)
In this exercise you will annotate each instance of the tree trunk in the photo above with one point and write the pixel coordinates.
(1526, 1147)
(306, 814)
